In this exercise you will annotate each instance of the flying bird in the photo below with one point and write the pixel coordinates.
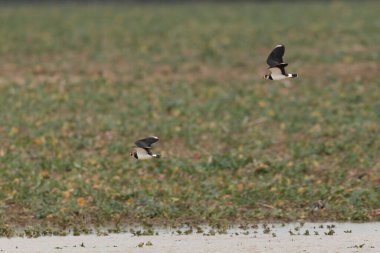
(277, 65)
(143, 148)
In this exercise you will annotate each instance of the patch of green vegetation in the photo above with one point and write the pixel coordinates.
(330, 232)
(6, 230)
(79, 85)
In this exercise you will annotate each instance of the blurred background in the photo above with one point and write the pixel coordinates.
(81, 81)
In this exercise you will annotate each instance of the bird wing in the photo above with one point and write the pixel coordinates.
(146, 143)
(275, 57)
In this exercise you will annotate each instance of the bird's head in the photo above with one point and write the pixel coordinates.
(133, 154)
(267, 76)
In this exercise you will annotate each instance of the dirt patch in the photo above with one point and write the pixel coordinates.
(345, 71)
(76, 68)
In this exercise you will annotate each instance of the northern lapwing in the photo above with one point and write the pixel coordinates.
(143, 148)
(318, 205)
(277, 65)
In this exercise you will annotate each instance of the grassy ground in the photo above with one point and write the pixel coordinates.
(78, 85)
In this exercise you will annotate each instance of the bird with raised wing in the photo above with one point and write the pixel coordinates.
(277, 65)
(318, 206)
(143, 148)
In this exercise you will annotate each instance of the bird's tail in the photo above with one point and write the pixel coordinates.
(292, 75)
(156, 155)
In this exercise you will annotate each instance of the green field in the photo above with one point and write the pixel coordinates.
(79, 84)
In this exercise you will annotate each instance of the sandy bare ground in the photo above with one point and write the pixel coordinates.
(348, 237)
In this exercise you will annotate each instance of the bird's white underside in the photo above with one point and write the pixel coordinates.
(279, 77)
(144, 157)
(142, 154)
(276, 74)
